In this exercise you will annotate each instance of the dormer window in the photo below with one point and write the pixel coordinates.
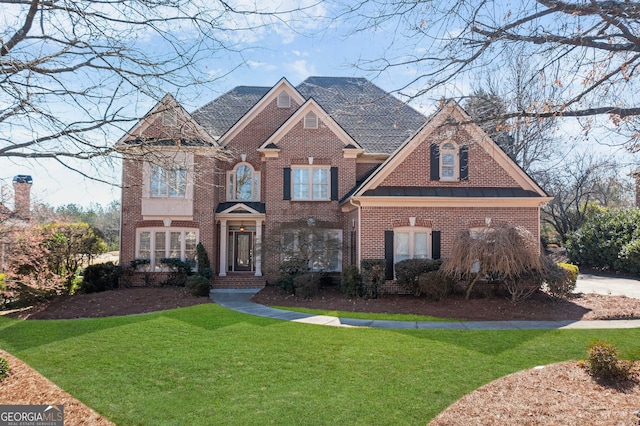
(448, 161)
(284, 100)
(311, 121)
(243, 183)
(170, 118)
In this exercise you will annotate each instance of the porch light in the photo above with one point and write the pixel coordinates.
(241, 227)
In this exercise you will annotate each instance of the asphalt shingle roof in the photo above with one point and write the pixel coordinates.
(413, 191)
(376, 120)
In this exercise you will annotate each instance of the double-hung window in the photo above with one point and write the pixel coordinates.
(168, 183)
(411, 243)
(311, 183)
(448, 162)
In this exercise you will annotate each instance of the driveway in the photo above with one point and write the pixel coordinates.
(608, 285)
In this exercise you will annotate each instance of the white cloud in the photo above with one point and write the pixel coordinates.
(301, 69)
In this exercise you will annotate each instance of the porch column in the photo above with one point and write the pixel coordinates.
(258, 250)
(224, 236)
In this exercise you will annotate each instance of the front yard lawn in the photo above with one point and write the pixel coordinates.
(206, 365)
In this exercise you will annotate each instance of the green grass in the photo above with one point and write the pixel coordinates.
(366, 315)
(207, 365)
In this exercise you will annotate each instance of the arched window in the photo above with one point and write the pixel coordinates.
(243, 183)
(449, 161)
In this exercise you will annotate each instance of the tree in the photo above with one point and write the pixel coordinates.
(73, 72)
(588, 50)
(580, 187)
(529, 142)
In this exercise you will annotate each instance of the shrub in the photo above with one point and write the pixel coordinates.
(560, 279)
(600, 241)
(140, 264)
(603, 362)
(408, 271)
(435, 285)
(351, 282)
(99, 277)
(178, 271)
(306, 285)
(630, 256)
(4, 369)
(521, 287)
(373, 277)
(289, 270)
(197, 285)
(202, 257)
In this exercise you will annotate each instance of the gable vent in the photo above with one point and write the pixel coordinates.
(284, 100)
(310, 121)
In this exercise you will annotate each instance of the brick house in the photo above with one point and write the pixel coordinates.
(339, 154)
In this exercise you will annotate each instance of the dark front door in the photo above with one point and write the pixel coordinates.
(244, 251)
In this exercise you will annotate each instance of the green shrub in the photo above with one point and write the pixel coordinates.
(4, 369)
(99, 277)
(139, 264)
(373, 277)
(603, 362)
(306, 285)
(435, 285)
(560, 279)
(351, 282)
(205, 272)
(630, 256)
(600, 241)
(202, 257)
(197, 285)
(408, 271)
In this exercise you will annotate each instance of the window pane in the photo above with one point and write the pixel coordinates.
(177, 182)
(448, 172)
(448, 159)
(160, 250)
(175, 245)
(402, 246)
(158, 182)
(190, 248)
(144, 248)
(420, 245)
(301, 184)
(335, 247)
(320, 183)
(244, 183)
(256, 187)
(230, 189)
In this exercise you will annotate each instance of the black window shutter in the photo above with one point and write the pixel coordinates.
(435, 245)
(464, 162)
(286, 178)
(388, 255)
(435, 162)
(334, 184)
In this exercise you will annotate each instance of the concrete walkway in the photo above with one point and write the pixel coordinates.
(608, 285)
(240, 300)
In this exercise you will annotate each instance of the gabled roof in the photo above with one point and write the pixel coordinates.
(310, 106)
(199, 136)
(375, 120)
(450, 111)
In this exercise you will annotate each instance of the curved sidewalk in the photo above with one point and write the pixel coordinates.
(240, 300)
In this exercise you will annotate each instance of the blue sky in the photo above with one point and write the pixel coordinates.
(268, 54)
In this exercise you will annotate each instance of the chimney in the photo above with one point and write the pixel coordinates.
(22, 193)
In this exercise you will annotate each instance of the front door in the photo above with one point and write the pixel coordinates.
(243, 251)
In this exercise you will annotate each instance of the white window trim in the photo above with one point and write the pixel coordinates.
(456, 162)
(255, 189)
(311, 120)
(310, 183)
(325, 235)
(284, 100)
(154, 264)
(412, 230)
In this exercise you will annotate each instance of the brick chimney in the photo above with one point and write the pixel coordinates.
(22, 193)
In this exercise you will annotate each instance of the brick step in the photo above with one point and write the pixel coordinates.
(238, 281)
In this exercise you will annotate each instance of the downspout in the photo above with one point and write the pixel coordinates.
(357, 205)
